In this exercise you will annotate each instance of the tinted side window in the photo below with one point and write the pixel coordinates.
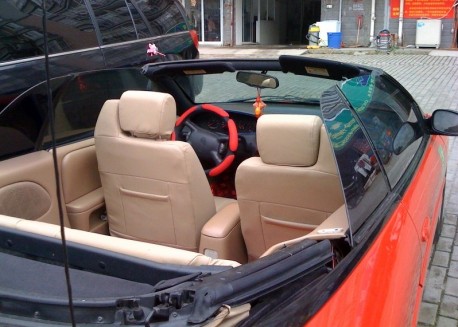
(22, 123)
(359, 168)
(383, 110)
(77, 100)
(78, 103)
(21, 32)
(115, 21)
(163, 16)
(141, 27)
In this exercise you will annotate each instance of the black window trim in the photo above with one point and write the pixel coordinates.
(142, 16)
(95, 24)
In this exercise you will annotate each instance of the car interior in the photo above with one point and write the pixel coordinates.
(141, 182)
(179, 212)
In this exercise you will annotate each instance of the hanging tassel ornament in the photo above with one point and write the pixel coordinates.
(258, 105)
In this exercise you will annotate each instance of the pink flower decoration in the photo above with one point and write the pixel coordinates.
(153, 50)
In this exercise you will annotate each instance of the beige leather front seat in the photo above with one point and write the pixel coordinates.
(155, 189)
(292, 187)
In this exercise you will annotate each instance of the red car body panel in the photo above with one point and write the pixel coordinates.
(385, 288)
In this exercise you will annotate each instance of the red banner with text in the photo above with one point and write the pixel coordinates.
(424, 9)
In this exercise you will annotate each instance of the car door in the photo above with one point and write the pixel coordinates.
(393, 121)
(126, 28)
(382, 287)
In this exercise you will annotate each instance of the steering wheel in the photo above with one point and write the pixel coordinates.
(212, 147)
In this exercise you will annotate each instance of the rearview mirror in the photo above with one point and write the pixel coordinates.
(258, 80)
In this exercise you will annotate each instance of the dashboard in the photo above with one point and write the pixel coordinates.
(245, 123)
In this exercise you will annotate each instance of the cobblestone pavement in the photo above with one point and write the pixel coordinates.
(432, 78)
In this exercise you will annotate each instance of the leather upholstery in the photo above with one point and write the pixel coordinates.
(147, 251)
(279, 139)
(155, 190)
(137, 118)
(221, 236)
(334, 227)
(292, 187)
(29, 179)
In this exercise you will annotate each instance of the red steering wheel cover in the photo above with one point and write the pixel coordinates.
(215, 109)
(232, 133)
(222, 166)
(186, 115)
(233, 138)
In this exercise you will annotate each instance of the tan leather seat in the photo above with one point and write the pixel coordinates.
(292, 187)
(155, 189)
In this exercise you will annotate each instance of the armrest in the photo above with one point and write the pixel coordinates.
(86, 202)
(85, 212)
(221, 237)
(223, 222)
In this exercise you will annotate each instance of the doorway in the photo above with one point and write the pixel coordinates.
(301, 14)
(206, 17)
(249, 18)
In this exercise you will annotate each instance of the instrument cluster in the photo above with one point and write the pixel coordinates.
(244, 123)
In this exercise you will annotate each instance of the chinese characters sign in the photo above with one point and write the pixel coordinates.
(423, 9)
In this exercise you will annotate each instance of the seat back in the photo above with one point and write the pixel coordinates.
(155, 189)
(292, 187)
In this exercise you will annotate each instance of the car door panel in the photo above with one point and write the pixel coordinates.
(81, 186)
(28, 188)
(425, 196)
(364, 298)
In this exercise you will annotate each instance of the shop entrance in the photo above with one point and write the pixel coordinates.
(273, 22)
(206, 17)
(259, 21)
(249, 18)
(300, 15)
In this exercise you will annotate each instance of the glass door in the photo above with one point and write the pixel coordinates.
(206, 17)
(195, 12)
(212, 21)
(249, 18)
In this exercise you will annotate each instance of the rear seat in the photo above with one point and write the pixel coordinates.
(148, 251)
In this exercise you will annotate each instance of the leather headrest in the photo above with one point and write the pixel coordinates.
(289, 140)
(147, 114)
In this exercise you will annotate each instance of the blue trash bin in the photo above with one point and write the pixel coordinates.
(334, 40)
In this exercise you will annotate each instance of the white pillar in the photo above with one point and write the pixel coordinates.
(401, 22)
(372, 28)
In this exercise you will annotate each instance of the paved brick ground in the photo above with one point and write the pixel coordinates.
(432, 78)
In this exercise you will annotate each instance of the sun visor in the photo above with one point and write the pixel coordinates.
(187, 67)
(321, 68)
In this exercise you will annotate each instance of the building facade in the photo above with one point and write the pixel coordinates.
(412, 23)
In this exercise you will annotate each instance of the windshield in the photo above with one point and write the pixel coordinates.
(292, 89)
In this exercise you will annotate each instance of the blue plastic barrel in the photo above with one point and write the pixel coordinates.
(334, 40)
